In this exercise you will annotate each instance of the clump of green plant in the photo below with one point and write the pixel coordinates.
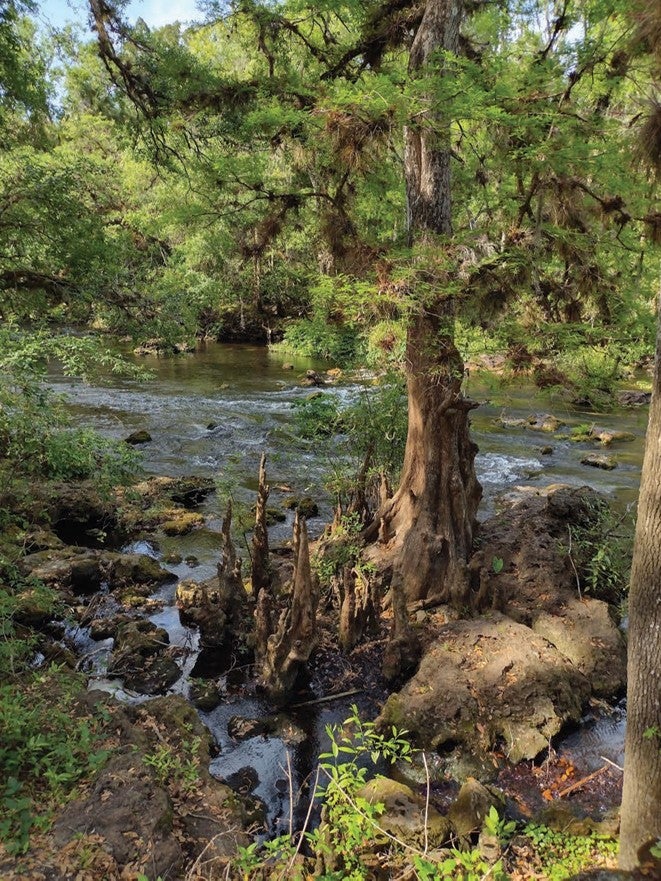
(37, 440)
(48, 744)
(350, 821)
(319, 338)
(561, 856)
(581, 432)
(171, 766)
(317, 416)
(601, 549)
(342, 549)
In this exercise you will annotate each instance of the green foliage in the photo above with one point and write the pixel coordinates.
(561, 856)
(48, 744)
(351, 821)
(343, 549)
(170, 766)
(371, 429)
(462, 865)
(37, 440)
(602, 548)
(317, 416)
(20, 599)
(317, 338)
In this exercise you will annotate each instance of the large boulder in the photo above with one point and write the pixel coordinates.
(529, 543)
(584, 631)
(525, 569)
(486, 682)
(84, 570)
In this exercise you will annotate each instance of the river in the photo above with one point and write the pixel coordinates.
(214, 412)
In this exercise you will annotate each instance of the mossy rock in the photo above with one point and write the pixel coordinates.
(138, 437)
(305, 506)
(181, 522)
(404, 813)
(205, 695)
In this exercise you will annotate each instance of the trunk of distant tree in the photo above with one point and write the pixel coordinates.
(427, 527)
(641, 799)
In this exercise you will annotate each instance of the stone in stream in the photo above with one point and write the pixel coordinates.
(305, 505)
(240, 728)
(547, 423)
(599, 460)
(138, 437)
(205, 695)
(83, 570)
(633, 398)
(141, 658)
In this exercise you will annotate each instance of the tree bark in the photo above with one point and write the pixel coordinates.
(429, 522)
(641, 799)
(261, 568)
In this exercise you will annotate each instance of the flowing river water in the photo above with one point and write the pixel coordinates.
(214, 412)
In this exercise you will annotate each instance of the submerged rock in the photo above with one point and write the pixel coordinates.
(487, 681)
(138, 437)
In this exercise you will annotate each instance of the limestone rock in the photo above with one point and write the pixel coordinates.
(598, 460)
(181, 522)
(586, 634)
(404, 813)
(633, 398)
(140, 657)
(488, 680)
(136, 818)
(201, 605)
(470, 808)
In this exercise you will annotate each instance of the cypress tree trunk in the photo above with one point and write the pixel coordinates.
(641, 800)
(428, 524)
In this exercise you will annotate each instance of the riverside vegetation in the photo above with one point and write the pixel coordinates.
(426, 189)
